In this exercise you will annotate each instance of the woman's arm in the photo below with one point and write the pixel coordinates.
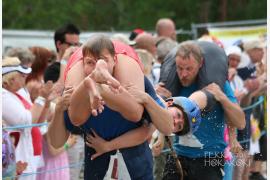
(40, 108)
(129, 139)
(55, 151)
(57, 132)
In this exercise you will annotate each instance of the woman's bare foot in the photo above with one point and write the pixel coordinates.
(96, 102)
(101, 75)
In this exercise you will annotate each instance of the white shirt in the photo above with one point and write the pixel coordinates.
(156, 72)
(14, 113)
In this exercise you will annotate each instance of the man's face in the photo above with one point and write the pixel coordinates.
(234, 60)
(178, 119)
(90, 61)
(187, 69)
(70, 40)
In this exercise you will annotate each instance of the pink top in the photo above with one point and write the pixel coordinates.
(119, 47)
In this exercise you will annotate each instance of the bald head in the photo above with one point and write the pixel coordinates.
(166, 27)
(146, 41)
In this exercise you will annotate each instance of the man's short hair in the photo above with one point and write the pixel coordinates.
(187, 48)
(96, 43)
(60, 33)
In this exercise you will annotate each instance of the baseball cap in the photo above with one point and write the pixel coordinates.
(18, 68)
(134, 33)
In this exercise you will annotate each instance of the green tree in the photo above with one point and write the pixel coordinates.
(125, 15)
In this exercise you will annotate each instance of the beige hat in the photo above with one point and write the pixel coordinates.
(253, 44)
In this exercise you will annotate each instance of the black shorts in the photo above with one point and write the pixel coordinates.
(206, 168)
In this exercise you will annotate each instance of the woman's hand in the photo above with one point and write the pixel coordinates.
(64, 101)
(96, 142)
(71, 140)
(20, 167)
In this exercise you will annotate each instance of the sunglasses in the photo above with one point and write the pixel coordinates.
(72, 44)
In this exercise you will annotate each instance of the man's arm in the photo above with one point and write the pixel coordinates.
(129, 139)
(234, 144)
(232, 110)
(160, 116)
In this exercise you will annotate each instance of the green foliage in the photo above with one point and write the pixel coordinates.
(123, 15)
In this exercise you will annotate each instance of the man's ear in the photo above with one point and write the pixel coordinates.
(58, 44)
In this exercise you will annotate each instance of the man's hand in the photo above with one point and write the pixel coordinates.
(214, 89)
(140, 96)
(157, 147)
(96, 142)
(162, 91)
